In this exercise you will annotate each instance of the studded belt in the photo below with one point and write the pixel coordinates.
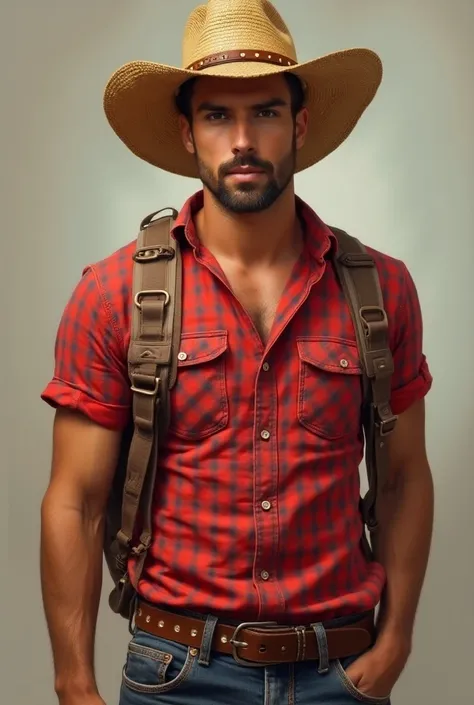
(258, 643)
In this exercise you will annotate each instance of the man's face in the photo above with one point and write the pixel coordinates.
(245, 139)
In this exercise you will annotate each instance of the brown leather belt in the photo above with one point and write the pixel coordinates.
(259, 643)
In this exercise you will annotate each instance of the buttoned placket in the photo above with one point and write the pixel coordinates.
(266, 468)
(266, 491)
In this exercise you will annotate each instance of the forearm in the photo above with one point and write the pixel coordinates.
(71, 575)
(405, 512)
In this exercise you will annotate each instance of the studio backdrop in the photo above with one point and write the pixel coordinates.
(403, 183)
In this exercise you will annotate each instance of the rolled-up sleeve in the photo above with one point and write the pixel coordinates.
(412, 378)
(90, 365)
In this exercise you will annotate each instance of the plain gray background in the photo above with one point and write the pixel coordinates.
(403, 183)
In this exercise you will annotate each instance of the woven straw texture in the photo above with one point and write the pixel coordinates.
(139, 97)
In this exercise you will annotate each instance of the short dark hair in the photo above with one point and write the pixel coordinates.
(185, 94)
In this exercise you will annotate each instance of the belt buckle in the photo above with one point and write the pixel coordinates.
(242, 644)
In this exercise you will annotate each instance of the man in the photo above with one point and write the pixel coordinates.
(256, 507)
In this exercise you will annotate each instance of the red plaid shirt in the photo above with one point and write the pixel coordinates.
(256, 510)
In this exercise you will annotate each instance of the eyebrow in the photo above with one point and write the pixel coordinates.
(272, 103)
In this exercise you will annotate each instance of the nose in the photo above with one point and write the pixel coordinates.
(244, 141)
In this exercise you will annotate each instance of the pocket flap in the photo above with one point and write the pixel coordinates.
(331, 354)
(196, 348)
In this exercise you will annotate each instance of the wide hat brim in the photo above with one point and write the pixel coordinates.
(139, 102)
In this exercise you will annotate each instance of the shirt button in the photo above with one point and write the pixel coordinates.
(266, 505)
(343, 363)
(266, 366)
(264, 575)
(182, 356)
(265, 435)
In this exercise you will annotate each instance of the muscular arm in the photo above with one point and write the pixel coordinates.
(405, 513)
(72, 511)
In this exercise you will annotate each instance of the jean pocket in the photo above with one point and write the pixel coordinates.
(339, 668)
(329, 387)
(199, 402)
(155, 665)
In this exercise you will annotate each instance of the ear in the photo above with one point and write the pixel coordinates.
(186, 134)
(301, 127)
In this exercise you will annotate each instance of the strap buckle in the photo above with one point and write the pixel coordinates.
(236, 644)
(378, 323)
(150, 292)
(149, 392)
(152, 253)
(385, 419)
(387, 426)
(142, 547)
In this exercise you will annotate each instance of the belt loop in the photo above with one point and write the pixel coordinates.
(206, 643)
(322, 641)
(133, 611)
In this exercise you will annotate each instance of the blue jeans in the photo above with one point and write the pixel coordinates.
(167, 673)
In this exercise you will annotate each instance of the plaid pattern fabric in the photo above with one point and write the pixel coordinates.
(256, 503)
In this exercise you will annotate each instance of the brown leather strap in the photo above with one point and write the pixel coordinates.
(258, 643)
(155, 331)
(359, 279)
(234, 55)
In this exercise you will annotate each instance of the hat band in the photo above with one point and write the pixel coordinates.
(261, 56)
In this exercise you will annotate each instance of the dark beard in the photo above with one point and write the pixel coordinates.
(248, 197)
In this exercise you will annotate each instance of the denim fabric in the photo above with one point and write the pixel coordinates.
(164, 672)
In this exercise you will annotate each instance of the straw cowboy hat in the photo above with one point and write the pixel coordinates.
(238, 39)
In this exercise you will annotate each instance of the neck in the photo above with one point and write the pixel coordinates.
(251, 239)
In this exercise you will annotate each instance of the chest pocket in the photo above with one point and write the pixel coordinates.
(199, 402)
(329, 387)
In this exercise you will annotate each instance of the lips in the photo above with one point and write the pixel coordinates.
(246, 170)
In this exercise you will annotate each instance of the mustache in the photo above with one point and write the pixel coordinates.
(249, 161)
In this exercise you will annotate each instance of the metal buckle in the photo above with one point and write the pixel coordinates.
(242, 644)
(148, 392)
(141, 548)
(387, 426)
(152, 253)
(151, 292)
(371, 327)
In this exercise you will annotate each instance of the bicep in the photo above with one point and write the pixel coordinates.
(90, 391)
(84, 458)
(407, 443)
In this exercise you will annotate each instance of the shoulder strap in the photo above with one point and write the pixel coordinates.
(358, 276)
(155, 333)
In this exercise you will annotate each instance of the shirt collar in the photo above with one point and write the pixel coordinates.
(320, 241)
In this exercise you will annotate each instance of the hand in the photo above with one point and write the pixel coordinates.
(376, 672)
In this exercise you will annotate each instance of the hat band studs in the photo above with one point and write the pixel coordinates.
(241, 55)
